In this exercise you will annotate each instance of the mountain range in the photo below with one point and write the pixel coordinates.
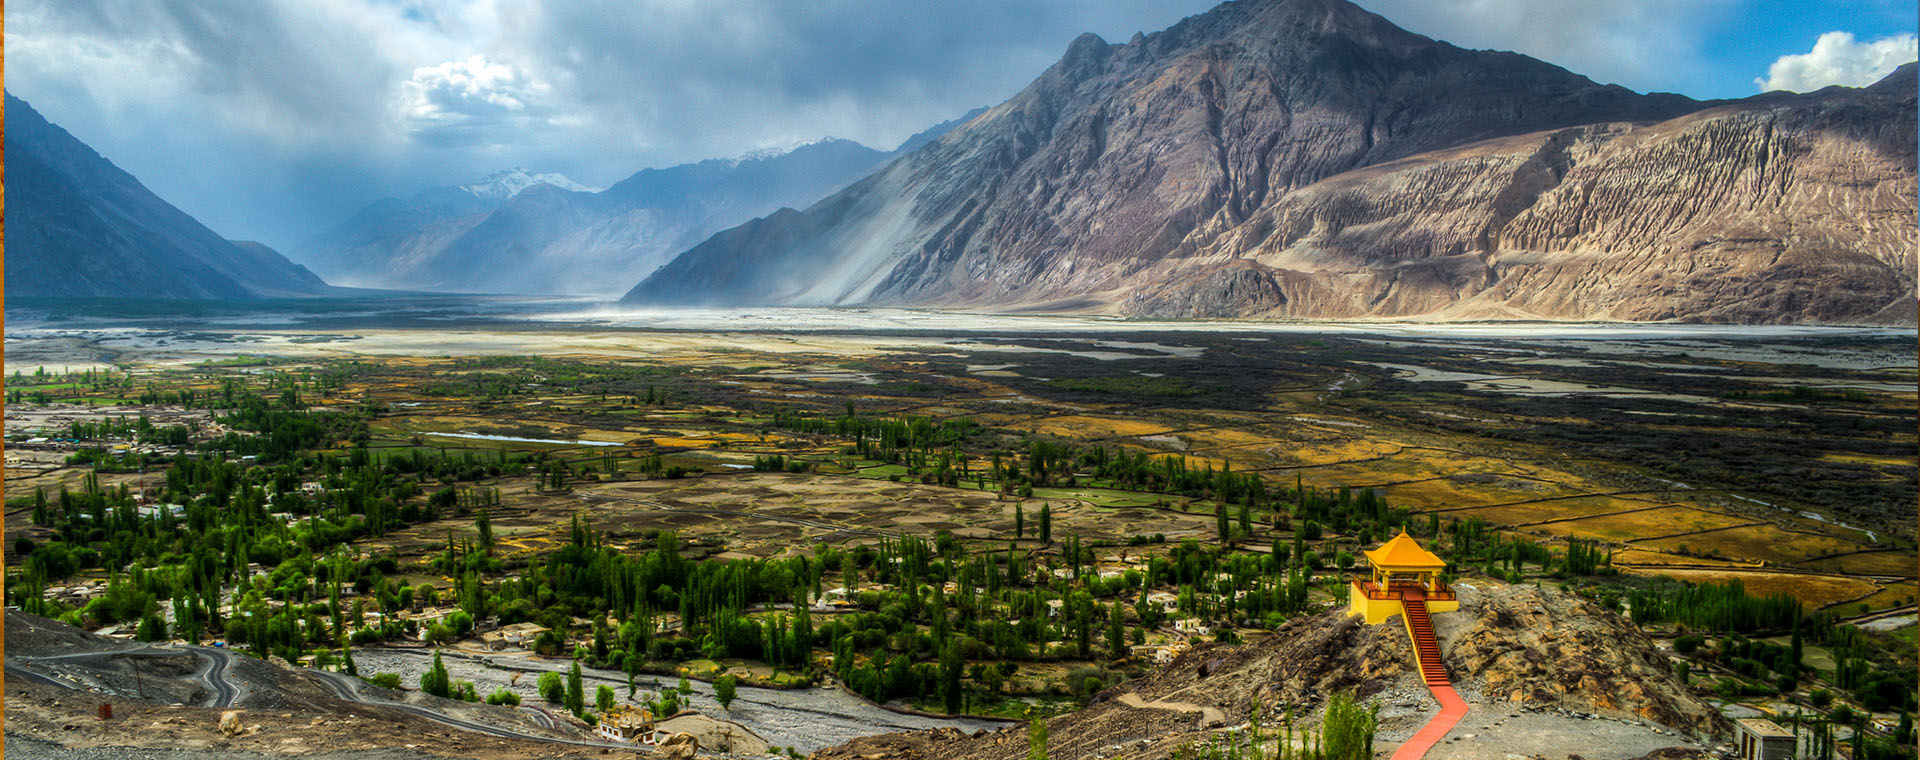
(517, 232)
(1309, 159)
(79, 226)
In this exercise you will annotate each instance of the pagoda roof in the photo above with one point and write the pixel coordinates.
(1403, 551)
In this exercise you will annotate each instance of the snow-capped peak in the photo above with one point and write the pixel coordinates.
(509, 183)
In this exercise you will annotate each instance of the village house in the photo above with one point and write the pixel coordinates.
(1762, 739)
(628, 724)
(516, 635)
(1192, 627)
(1160, 654)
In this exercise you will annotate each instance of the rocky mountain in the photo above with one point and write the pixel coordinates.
(1308, 159)
(509, 183)
(518, 232)
(79, 226)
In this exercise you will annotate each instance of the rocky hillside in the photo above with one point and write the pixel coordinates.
(1306, 158)
(517, 232)
(1542, 669)
(78, 226)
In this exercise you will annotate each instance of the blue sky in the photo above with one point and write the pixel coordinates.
(271, 119)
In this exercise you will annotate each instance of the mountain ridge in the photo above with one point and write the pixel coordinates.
(80, 226)
(1149, 178)
(549, 238)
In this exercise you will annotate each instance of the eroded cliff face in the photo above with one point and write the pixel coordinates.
(1304, 158)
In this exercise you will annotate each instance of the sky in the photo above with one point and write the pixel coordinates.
(273, 119)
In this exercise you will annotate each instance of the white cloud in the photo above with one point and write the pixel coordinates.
(466, 93)
(1636, 43)
(1837, 58)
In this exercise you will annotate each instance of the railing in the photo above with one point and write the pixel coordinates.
(1373, 591)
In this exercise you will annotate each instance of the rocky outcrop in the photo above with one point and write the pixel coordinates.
(1305, 158)
(1542, 648)
(1551, 654)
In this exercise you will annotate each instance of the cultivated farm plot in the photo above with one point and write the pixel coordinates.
(1890, 562)
(755, 511)
(1891, 595)
(1554, 508)
(1631, 526)
(1653, 561)
(1460, 495)
(1815, 591)
(1086, 427)
(1764, 542)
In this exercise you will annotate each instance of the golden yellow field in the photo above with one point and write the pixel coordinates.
(1815, 591)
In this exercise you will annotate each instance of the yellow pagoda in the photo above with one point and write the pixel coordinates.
(1401, 569)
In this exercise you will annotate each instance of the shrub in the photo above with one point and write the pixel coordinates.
(1348, 729)
(503, 696)
(385, 680)
(551, 688)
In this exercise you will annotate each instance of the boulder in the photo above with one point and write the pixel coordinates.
(680, 746)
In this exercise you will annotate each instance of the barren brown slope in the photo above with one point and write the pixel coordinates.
(1306, 158)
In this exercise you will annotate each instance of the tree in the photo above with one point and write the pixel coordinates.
(152, 628)
(950, 664)
(576, 702)
(1046, 524)
(724, 690)
(551, 688)
(435, 680)
(1037, 739)
(603, 698)
(1797, 646)
(1019, 518)
(1348, 728)
(485, 526)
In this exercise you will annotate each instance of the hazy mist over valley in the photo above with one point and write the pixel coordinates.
(1144, 379)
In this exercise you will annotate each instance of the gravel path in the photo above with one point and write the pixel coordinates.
(805, 719)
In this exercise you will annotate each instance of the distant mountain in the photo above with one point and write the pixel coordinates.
(517, 232)
(78, 226)
(509, 183)
(1306, 158)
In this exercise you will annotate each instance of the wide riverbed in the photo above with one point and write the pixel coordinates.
(69, 336)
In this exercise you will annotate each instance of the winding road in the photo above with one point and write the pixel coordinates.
(212, 674)
(216, 663)
(348, 688)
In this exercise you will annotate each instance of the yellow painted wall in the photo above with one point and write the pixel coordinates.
(1378, 611)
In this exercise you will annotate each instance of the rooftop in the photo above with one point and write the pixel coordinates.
(1762, 727)
(1403, 551)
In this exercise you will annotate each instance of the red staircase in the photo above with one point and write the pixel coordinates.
(1413, 604)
